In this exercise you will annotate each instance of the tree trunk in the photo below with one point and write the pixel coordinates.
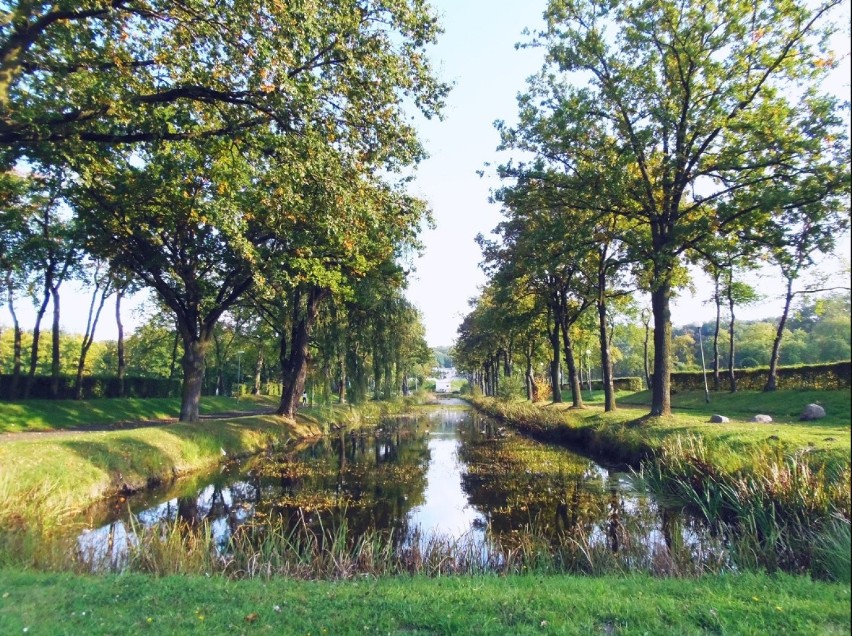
(717, 380)
(218, 355)
(89, 337)
(173, 362)
(776, 344)
(646, 320)
(258, 368)
(122, 361)
(528, 372)
(194, 353)
(297, 363)
(341, 391)
(606, 359)
(54, 355)
(36, 338)
(661, 387)
(554, 363)
(17, 338)
(732, 378)
(570, 362)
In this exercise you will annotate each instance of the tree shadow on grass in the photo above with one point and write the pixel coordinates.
(130, 459)
(102, 414)
(131, 463)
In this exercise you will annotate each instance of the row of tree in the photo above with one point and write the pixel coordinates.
(239, 159)
(659, 134)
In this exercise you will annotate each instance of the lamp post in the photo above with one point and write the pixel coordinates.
(239, 373)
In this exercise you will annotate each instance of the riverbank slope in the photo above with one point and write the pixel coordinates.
(49, 475)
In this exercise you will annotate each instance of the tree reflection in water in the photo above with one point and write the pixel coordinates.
(449, 472)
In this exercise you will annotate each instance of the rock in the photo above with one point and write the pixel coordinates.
(719, 419)
(812, 412)
(763, 419)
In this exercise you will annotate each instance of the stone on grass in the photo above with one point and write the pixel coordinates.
(812, 412)
(763, 419)
(719, 419)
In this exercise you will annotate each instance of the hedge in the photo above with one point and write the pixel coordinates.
(835, 375)
(620, 384)
(93, 387)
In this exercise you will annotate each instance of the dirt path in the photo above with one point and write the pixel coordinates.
(121, 426)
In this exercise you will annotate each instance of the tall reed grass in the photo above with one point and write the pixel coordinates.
(783, 513)
(301, 551)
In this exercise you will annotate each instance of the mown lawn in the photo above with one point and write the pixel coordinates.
(39, 603)
(734, 443)
(52, 415)
(782, 406)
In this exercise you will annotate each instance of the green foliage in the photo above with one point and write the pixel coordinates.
(511, 388)
(443, 356)
(267, 67)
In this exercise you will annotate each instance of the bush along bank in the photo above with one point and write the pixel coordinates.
(780, 509)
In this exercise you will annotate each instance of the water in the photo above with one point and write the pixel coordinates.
(448, 473)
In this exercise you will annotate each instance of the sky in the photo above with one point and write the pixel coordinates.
(477, 54)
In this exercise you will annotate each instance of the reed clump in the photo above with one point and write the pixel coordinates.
(782, 512)
(272, 548)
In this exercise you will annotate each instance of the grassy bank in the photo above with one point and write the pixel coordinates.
(779, 491)
(783, 406)
(36, 603)
(48, 476)
(628, 435)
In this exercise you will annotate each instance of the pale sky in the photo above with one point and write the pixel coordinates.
(477, 53)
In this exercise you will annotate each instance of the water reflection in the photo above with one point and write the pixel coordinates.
(450, 473)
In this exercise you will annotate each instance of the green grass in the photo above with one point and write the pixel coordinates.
(783, 406)
(136, 604)
(51, 415)
(51, 476)
(627, 433)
